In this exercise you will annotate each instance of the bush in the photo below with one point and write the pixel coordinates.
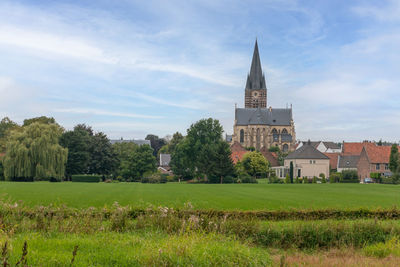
(305, 180)
(248, 180)
(335, 177)
(297, 181)
(314, 180)
(85, 178)
(156, 178)
(1, 171)
(54, 180)
(349, 176)
(275, 180)
(287, 179)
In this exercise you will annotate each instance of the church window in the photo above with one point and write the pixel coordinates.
(284, 131)
(242, 136)
(285, 148)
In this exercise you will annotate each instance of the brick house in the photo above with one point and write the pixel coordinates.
(238, 151)
(374, 159)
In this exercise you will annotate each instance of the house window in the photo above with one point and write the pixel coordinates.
(386, 166)
(312, 161)
(299, 173)
(378, 166)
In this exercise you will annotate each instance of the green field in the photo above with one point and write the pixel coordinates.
(205, 196)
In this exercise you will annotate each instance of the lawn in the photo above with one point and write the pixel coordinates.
(205, 196)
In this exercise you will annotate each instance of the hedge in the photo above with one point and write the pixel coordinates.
(84, 178)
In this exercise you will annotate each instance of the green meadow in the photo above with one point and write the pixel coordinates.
(205, 196)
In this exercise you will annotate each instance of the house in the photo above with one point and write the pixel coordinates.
(138, 141)
(323, 146)
(165, 159)
(347, 162)
(333, 160)
(238, 151)
(308, 161)
(374, 159)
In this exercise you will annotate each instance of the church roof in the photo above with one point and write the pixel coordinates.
(307, 151)
(263, 116)
(256, 78)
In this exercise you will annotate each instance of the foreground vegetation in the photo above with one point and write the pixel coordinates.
(58, 235)
(206, 196)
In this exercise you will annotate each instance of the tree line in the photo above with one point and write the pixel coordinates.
(41, 149)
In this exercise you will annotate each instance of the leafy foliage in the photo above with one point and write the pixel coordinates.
(42, 119)
(86, 178)
(78, 143)
(35, 153)
(255, 164)
(141, 161)
(103, 160)
(6, 126)
(155, 143)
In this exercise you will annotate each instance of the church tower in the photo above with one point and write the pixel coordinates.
(256, 89)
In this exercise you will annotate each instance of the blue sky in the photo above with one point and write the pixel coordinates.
(129, 68)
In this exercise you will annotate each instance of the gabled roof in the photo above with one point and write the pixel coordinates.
(165, 159)
(331, 145)
(354, 148)
(256, 78)
(307, 151)
(263, 116)
(271, 157)
(348, 161)
(379, 154)
(333, 159)
(236, 146)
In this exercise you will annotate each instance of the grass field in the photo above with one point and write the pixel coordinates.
(205, 196)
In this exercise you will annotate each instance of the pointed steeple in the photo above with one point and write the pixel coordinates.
(256, 78)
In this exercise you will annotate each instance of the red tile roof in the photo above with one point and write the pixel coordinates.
(376, 154)
(237, 156)
(355, 148)
(333, 159)
(271, 157)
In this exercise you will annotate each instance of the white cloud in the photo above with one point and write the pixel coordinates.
(105, 113)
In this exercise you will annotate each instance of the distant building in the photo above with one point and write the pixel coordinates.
(256, 125)
(347, 162)
(138, 141)
(165, 159)
(308, 162)
(238, 151)
(323, 146)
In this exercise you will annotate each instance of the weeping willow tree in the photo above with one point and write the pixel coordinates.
(34, 154)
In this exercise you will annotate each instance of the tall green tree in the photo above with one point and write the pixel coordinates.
(35, 154)
(124, 153)
(155, 143)
(394, 159)
(78, 143)
(142, 161)
(291, 172)
(6, 126)
(254, 163)
(103, 159)
(170, 147)
(181, 165)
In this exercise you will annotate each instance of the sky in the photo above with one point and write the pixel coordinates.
(132, 68)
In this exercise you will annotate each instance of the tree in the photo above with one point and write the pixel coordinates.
(103, 160)
(394, 159)
(291, 172)
(34, 153)
(6, 126)
(124, 152)
(155, 142)
(42, 119)
(142, 161)
(255, 163)
(78, 143)
(180, 163)
(215, 161)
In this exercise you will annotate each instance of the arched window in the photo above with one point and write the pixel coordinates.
(242, 136)
(284, 131)
(275, 135)
(258, 139)
(285, 148)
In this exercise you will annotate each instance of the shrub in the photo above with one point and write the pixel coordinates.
(1, 171)
(376, 176)
(85, 178)
(305, 180)
(287, 179)
(248, 180)
(54, 180)
(275, 180)
(314, 180)
(297, 181)
(156, 178)
(335, 177)
(349, 176)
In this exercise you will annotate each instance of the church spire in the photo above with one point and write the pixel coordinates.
(256, 78)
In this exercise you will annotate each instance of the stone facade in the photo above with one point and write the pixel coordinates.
(256, 125)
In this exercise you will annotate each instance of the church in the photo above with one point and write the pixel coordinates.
(257, 125)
